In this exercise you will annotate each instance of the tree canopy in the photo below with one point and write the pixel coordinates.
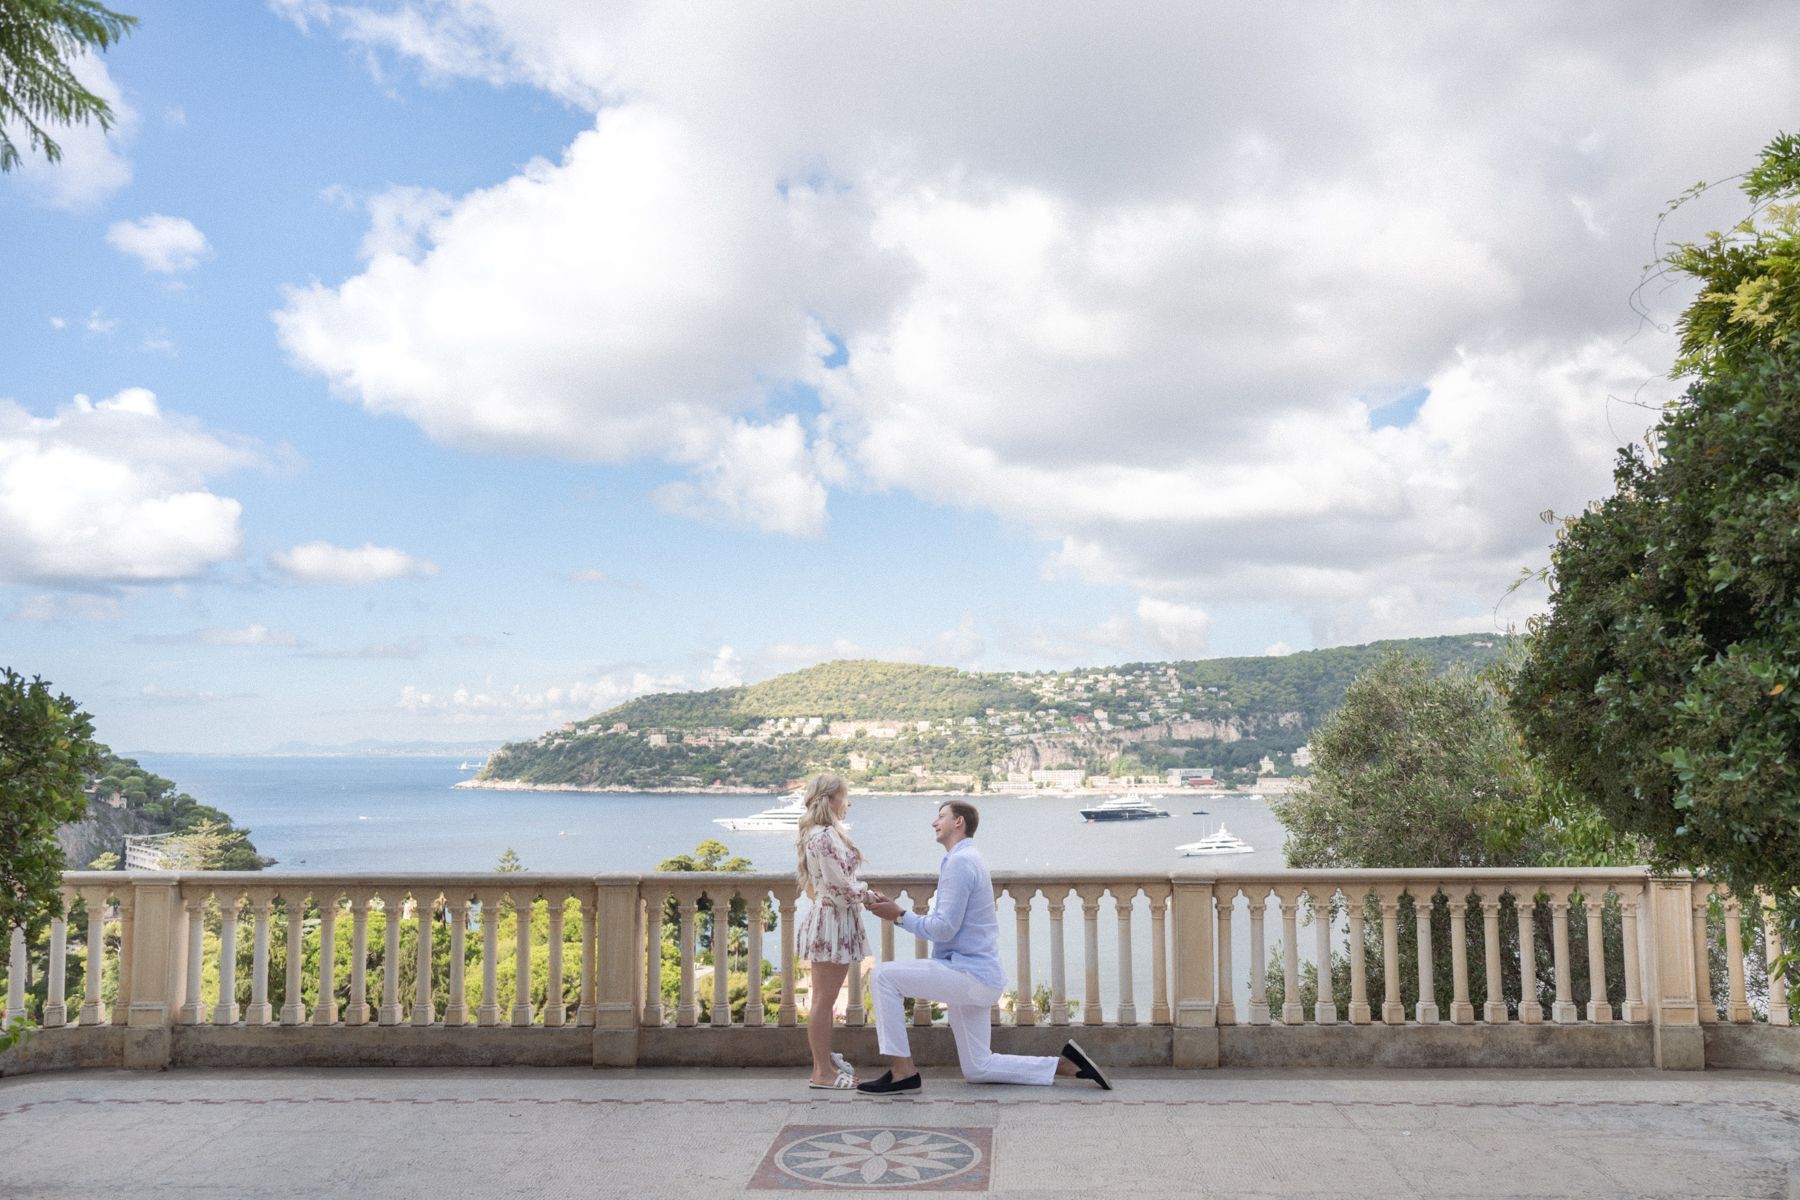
(1662, 683)
(38, 89)
(47, 753)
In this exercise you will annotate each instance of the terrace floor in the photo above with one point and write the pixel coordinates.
(388, 1132)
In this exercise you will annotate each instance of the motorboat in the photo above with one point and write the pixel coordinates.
(1222, 842)
(783, 818)
(1123, 808)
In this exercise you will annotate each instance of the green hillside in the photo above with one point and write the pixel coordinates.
(908, 727)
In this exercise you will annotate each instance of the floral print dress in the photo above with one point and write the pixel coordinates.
(832, 929)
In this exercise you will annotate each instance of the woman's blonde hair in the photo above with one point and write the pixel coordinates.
(817, 798)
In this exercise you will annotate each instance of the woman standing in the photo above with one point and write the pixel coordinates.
(830, 935)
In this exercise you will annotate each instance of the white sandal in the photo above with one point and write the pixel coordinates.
(844, 1082)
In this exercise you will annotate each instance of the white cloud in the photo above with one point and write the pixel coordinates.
(58, 323)
(494, 704)
(114, 491)
(1179, 629)
(156, 694)
(322, 562)
(164, 244)
(1278, 650)
(93, 164)
(726, 670)
(98, 322)
(242, 636)
(48, 607)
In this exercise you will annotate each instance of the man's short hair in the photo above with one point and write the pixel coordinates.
(971, 816)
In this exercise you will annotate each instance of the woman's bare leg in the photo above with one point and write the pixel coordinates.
(827, 982)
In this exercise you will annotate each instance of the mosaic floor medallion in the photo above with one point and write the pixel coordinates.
(885, 1157)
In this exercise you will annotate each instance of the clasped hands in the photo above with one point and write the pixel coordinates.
(881, 905)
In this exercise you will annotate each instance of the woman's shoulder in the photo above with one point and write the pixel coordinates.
(821, 835)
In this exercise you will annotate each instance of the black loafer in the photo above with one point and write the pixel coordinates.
(1084, 1066)
(887, 1085)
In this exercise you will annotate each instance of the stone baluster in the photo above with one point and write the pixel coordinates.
(1531, 1012)
(1287, 904)
(921, 949)
(994, 1013)
(1090, 928)
(1494, 1011)
(753, 964)
(93, 1012)
(193, 1009)
(424, 1007)
(325, 1011)
(456, 1010)
(225, 1011)
(356, 1012)
(1635, 1011)
(127, 916)
(1426, 1010)
(393, 908)
(15, 977)
(1057, 907)
(1563, 1010)
(1703, 993)
(653, 923)
(1737, 1005)
(1259, 1000)
(1325, 1004)
(787, 1014)
(262, 908)
(1159, 955)
(1355, 907)
(1462, 1010)
(1593, 906)
(556, 1010)
(488, 1013)
(522, 898)
(56, 1006)
(590, 963)
(887, 941)
(293, 1006)
(1779, 1013)
(1024, 1001)
(687, 1007)
(1393, 1010)
(1226, 1011)
(721, 951)
(1124, 897)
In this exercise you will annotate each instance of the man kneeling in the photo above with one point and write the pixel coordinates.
(963, 973)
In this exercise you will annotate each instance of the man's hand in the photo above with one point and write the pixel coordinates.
(884, 908)
(871, 896)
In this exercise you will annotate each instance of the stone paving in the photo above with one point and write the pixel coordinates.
(379, 1133)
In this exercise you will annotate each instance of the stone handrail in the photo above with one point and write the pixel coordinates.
(601, 944)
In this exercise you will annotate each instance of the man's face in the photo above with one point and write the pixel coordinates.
(947, 827)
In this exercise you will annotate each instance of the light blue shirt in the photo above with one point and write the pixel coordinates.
(961, 926)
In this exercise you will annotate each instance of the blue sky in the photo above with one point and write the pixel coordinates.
(450, 370)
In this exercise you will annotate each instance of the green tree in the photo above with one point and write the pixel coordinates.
(1663, 684)
(509, 862)
(38, 89)
(47, 753)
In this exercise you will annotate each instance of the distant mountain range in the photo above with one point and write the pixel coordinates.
(905, 727)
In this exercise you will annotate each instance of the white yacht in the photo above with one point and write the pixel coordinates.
(1222, 842)
(782, 818)
(1123, 808)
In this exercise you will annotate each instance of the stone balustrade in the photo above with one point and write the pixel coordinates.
(268, 968)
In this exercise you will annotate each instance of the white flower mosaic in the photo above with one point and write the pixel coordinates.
(878, 1157)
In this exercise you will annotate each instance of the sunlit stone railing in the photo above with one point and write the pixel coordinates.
(1187, 952)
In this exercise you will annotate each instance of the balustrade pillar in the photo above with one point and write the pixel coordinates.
(357, 1011)
(393, 909)
(921, 949)
(193, 1010)
(1393, 1010)
(293, 1007)
(56, 1007)
(1563, 1011)
(787, 1014)
(1225, 1013)
(1091, 1013)
(1779, 1013)
(521, 1007)
(1196, 987)
(424, 1007)
(93, 1010)
(1258, 903)
(1024, 1000)
(617, 1009)
(1599, 1008)
(488, 1013)
(15, 977)
(262, 907)
(753, 962)
(653, 923)
(721, 951)
(1355, 905)
(1287, 903)
(456, 1011)
(1056, 906)
(1531, 1011)
(1635, 1010)
(1737, 1005)
(1462, 1011)
(556, 1011)
(225, 1012)
(1680, 1043)
(687, 1008)
(1703, 993)
(590, 945)
(1494, 1011)
(1124, 896)
(1325, 1003)
(121, 1013)
(1426, 1011)
(325, 1011)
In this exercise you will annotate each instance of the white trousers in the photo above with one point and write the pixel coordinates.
(970, 1003)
